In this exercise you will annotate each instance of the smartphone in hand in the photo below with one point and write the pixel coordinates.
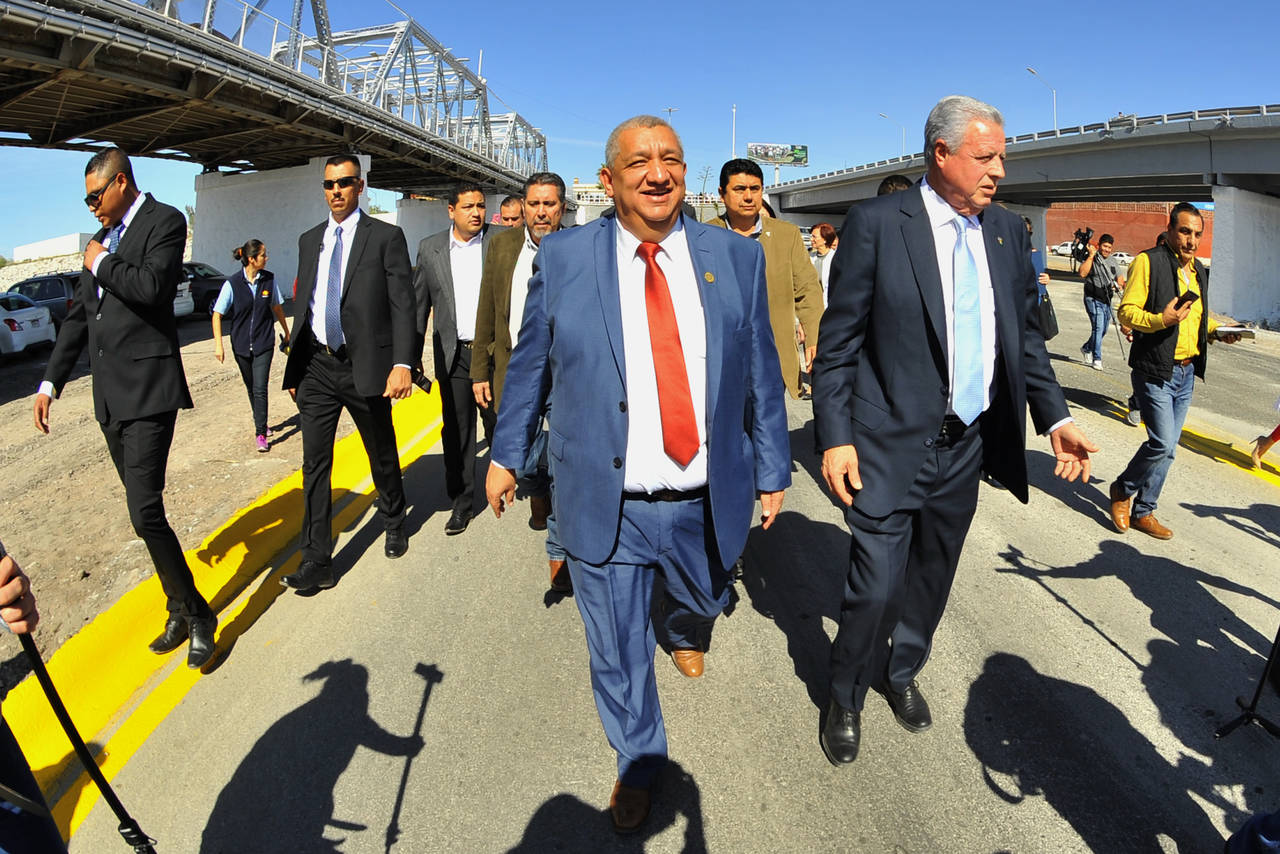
(1185, 299)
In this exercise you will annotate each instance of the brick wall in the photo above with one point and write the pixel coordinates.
(1133, 224)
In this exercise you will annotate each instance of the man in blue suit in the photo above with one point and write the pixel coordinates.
(652, 330)
(928, 358)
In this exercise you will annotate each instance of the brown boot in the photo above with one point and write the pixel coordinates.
(560, 580)
(539, 510)
(1119, 508)
(1150, 525)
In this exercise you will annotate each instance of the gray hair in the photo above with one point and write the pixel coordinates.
(538, 179)
(950, 117)
(611, 147)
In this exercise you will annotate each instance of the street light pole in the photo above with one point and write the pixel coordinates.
(669, 111)
(902, 152)
(733, 143)
(1053, 91)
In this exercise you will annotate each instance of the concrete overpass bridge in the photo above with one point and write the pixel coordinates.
(256, 92)
(1230, 156)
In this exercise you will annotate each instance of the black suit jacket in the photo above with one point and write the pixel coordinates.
(433, 289)
(881, 376)
(377, 304)
(130, 330)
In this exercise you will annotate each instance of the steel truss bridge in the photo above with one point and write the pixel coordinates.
(227, 85)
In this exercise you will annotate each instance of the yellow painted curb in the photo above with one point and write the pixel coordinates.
(105, 668)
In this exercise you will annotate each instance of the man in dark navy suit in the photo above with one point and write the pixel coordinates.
(123, 312)
(906, 428)
(651, 330)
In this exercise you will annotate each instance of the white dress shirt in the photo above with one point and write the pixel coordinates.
(123, 227)
(520, 285)
(46, 387)
(320, 293)
(648, 468)
(942, 220)
(466, 262)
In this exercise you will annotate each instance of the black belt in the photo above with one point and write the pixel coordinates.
(951, 431)
(1184, 362)
(340, 354)
(667, 495)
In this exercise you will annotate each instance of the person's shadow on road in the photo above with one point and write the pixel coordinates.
(794, 574)
(568, 825)
(280, 798)
(1036, 736)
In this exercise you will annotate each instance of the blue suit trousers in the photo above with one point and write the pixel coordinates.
(674, 540)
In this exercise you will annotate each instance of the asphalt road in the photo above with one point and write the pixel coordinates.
(1076, 680)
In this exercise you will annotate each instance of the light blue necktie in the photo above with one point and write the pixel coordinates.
(333, 295)
(967, 386)
(113, 239)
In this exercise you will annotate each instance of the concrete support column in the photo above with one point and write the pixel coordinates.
(1036, 213)
(1246, 255)
(275, 207)
(420, 218)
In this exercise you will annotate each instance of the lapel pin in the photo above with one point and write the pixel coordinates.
(710, 277)
(1000, 240)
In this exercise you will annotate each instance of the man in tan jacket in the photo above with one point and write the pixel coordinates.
(508, 264)
(794, 288)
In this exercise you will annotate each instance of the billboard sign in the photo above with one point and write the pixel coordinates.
(778, 154)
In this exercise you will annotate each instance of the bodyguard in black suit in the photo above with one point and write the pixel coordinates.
(352, 347)
(906, 428)
(447, 282)
(123, 311)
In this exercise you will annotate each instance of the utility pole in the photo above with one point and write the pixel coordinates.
(669, 111)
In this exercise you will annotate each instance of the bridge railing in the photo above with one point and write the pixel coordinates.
(398, 68)
(1224, 115)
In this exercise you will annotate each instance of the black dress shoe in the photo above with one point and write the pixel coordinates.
(175, 632)
(910, 708)
(841, 734)
(201, 648)
(396, 543)
(311, 575)
(459, 519)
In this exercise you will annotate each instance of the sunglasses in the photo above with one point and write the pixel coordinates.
(344, 182)
(95, 197)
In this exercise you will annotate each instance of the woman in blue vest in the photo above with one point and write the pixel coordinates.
(250, 299)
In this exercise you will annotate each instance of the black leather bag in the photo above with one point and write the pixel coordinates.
(1048, 318)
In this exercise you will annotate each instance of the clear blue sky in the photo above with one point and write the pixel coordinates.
(574, 69)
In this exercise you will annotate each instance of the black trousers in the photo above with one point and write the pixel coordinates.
(140, 450)
(458, 430)
(22, 832)
(326, 387)
(255, 370)
(900, 573)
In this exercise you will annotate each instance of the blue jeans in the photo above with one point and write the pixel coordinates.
(535, 477)
(1100, 318)
(1164, 408)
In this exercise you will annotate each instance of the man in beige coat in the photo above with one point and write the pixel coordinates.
(794, 288)
(508, 265)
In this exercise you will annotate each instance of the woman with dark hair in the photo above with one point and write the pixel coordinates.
(250, 298)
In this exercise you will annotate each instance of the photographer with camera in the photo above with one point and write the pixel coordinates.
(1102, 280)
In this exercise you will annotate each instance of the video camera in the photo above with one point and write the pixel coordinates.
(1080, 244)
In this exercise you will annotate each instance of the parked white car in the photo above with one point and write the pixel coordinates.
(1123, 258)
(23, 324)
(1063, 248)
(183, 303)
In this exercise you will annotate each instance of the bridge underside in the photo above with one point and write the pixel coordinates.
(156, 88)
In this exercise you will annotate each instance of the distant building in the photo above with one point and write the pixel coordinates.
(67, 244)
(592, 201)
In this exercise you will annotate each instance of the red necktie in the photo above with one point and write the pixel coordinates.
(675, 403)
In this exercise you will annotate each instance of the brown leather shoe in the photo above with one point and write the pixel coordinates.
(1119, 508)
(560, 580)
(1150, 525)
(688, 661)
(628, 807)
(539, 510)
